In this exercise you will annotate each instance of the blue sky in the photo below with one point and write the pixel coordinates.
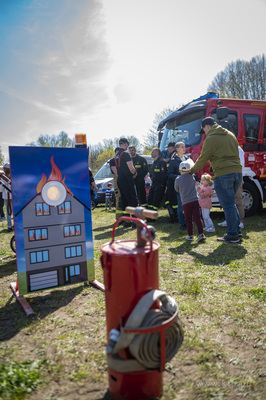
(106, 67)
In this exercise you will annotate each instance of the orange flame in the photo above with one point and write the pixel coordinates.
(55, 175)
(41, 183)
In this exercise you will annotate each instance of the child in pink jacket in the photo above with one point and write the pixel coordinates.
(205, 193)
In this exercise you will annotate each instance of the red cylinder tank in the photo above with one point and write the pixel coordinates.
(129, 272)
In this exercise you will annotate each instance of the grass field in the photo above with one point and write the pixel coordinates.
(220, 289)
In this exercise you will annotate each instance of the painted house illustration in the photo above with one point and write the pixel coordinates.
(54, 235)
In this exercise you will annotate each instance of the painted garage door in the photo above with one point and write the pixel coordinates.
(43, 280)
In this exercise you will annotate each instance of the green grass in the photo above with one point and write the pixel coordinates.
(220, 291)
(17, 380)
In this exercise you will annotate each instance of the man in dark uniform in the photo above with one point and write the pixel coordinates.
(142, 169)
(170, 194)
(159, 178)
(126, 173)
(118, 209)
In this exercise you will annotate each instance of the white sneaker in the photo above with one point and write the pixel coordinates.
(223, 224)
(210, 230)
(241, 225)
(190, 238)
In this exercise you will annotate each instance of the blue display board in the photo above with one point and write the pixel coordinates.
(52, 217)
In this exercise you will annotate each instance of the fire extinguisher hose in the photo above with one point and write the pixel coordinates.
(146, 347)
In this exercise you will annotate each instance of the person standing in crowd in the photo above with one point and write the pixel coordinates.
(205, 194)
(7, 196)
(142, 169)
(173, 172)
(239, 194)
(126, 173)
(167, 154)
(118, 207)
(185, 184)
(2, 202)
(221, 148)
(158, 178)
(108, 196)
(170, 194)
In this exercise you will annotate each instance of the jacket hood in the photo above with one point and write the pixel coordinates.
(217, 130)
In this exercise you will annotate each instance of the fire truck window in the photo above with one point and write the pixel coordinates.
(232, 122)
(252, 126)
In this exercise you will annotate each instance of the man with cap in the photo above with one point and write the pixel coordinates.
(159, 178)
(118, 210)
(170, 195)
(167, 154)
(220, 147)
(126, 173)
(142, 169)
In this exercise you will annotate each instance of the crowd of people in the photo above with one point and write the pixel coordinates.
(173, 182)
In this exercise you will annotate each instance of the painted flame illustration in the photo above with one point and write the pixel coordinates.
(55, 175)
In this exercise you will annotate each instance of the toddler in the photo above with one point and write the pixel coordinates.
(205, 193)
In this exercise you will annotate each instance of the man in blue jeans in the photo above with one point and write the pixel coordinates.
(220, 147)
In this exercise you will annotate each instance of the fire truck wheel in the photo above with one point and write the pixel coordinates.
(250, 199)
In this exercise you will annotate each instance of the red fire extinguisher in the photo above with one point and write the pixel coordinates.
(143, 328)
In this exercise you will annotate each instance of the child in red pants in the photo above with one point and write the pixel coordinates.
(185, 184)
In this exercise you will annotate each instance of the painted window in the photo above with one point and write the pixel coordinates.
(72, 270)
(72, 230)
(39, 256)
(37, 234)
(42, 209)
(73, 251)
(64, 208)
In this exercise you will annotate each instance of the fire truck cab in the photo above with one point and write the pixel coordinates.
(245, 118)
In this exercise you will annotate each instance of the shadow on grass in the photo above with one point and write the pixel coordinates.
(8, 268)
(13, 318)
(223, 254)
(103, 228)
(107, 234)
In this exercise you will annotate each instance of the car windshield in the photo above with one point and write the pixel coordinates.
(104, 172)
(185, 128)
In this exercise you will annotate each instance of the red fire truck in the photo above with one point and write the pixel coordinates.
(245, 118)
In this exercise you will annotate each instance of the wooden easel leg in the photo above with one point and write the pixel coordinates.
(25, 305)
(98, 285)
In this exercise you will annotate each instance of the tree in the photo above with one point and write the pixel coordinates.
(1, 157)
(100, 153)
(104, 156)
(61, 140)
(151, 138)
(242, 79)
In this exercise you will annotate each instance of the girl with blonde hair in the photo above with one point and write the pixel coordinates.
(205, 193)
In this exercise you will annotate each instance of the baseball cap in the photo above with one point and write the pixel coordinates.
(171, 144)
(186, 165)
(6, 166)
(206, 121)
(123, 140)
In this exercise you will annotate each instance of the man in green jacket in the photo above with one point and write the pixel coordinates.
(221, 149)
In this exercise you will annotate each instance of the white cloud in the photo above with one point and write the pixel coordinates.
(106, 67)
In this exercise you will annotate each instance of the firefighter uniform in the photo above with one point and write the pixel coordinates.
(170, 194)
(141, 167)
(125, 180)
(118, 209)
(159, 178)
